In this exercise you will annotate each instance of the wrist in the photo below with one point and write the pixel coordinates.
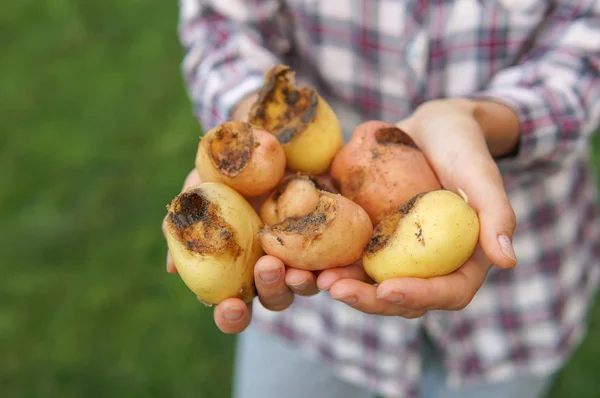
(500, 125)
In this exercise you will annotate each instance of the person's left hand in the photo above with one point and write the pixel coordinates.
(449, 135)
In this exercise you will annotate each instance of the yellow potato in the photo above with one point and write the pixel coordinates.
(431, 235)
(309, 228)
(250, 160)
(303, 122)
(212, 236)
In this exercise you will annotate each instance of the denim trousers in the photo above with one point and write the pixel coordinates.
(268, 367)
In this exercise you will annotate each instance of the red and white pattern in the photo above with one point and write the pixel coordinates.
(380, 59)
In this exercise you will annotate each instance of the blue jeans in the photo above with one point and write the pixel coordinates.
(268, 367)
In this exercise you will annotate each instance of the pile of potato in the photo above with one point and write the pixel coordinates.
(375, 199)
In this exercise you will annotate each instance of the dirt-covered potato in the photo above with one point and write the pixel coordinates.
(250, 160)
(381, 168)
(431, 235)
(303, 122)
(312, 229)
(295, 196)
(212, 234)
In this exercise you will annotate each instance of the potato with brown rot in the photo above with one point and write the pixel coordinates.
(381, 168)
(303, 122)
(212, 235)
(310, 228)
(248, 159)
(432, 235)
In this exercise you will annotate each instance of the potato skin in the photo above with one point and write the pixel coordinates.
(246, 158)
(296, 196)
(303, 122)
(380, 176)
(333, 234)
(212, 236)
(431, 235)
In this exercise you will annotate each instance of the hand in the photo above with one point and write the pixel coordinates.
(448, 133)
(275, 284)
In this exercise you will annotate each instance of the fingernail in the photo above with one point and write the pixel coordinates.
(393, 297)
(300, 286)
(270, 276)
(349, 300)
(233, 315)
(507, 247)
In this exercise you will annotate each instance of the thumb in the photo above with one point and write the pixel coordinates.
(496, 216)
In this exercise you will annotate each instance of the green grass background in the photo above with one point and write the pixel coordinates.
(96, 136)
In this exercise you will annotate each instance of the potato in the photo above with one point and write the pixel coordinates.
(431, 235)
(295, 196)
(250, 160)
(303, 122)
(381, 168)
(312, 229)
(212, 234)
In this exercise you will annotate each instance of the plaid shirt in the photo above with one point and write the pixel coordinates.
(379, 59)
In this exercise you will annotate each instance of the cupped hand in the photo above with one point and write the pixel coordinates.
(275, 284)
(454, 144)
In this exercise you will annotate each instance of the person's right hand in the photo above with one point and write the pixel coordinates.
(275, 284)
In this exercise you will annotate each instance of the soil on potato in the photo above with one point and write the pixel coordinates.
(299, 104)
(231, 146)
(197, 223)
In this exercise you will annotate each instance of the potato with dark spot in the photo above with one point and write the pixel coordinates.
(431, 235)
(295, 196)
(303, 122)
(312, 229)
(250, 160)
(212, 234)
(381, 168)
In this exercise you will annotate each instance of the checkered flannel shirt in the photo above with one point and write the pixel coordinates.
(379, 59)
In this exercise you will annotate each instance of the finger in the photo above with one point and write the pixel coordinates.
(487, 196)
(273, 293)
(232, 316)
(354, 271)
(191, 179)
(171, 269)
(451, 292)
(363, 297)
(301, 282)
(480, 178)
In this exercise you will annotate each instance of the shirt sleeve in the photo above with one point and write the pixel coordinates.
(229, 45)
(555, 86)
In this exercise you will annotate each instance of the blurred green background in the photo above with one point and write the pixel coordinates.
(96, 136)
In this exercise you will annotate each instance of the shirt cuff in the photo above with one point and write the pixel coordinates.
(537, 125)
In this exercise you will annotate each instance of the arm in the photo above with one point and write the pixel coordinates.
(554, 90)
(228, 48)
(541, 109)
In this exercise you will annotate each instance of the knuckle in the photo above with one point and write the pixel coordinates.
(278, 302)
(462, 302)
(415, 314)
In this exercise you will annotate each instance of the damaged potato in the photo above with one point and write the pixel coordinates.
(296, 196)
(381, 168)
(310, 228)
(250, 160)
(303, 122)
(212, 236)
(431, 235)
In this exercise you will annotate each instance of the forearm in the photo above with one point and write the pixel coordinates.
(553, 91)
